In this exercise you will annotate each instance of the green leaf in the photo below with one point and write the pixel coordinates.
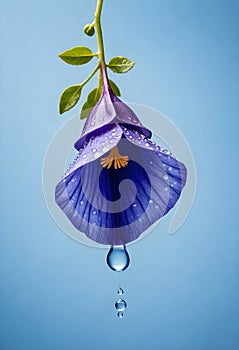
(114, 88)
(120, 64)
(77, 55)
(69, 98)
(91, 101)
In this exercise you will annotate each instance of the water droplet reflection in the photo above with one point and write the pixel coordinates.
(120, 305)
(120, 291)
(118, 258)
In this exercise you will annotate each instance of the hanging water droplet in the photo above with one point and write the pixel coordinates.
(120, 314)
(120, 305)
(120, 291)
(118, 258)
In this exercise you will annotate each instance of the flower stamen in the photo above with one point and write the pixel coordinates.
(114, 158)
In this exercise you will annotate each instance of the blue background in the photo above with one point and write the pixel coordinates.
(182, 290)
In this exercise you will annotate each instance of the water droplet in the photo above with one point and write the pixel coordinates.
(165, 177)
(151, 162)
(147, 144)
(81, 203)
(170, 168)
(151, 201)
(118, 258)
(120, 314)
(120, 291)
(94, 212)
(94, 150)
(135, 205)
(120, 305)
(166, 189)
(92, 124)
(84, 155)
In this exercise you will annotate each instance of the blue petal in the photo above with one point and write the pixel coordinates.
(115, 206)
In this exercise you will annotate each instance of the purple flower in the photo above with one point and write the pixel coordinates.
(121, 182)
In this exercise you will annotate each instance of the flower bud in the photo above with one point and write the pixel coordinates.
(89, 29)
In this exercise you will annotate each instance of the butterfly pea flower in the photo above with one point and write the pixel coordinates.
(121, 182)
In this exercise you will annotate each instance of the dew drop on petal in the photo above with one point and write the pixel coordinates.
(120, 314)
(165, 177)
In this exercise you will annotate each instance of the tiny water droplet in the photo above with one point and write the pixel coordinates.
(120, 291)
(118, 258)
(120, 314)
(120, 305)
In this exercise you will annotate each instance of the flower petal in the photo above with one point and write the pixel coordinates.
(114, 207)
(109, 109)
(96, 147)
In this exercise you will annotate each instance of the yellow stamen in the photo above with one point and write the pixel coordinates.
(114, 158)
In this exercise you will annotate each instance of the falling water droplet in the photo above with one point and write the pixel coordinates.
(120, 305)
(120, 291)
(120, 314)
(118, 258)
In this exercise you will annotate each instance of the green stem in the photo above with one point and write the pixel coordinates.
(99, 33)
(90, 76)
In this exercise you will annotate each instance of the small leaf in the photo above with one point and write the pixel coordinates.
(91, 101)
(89, 29)
(77, 55)
(69, 98)
(120, 64)
(114, 88)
